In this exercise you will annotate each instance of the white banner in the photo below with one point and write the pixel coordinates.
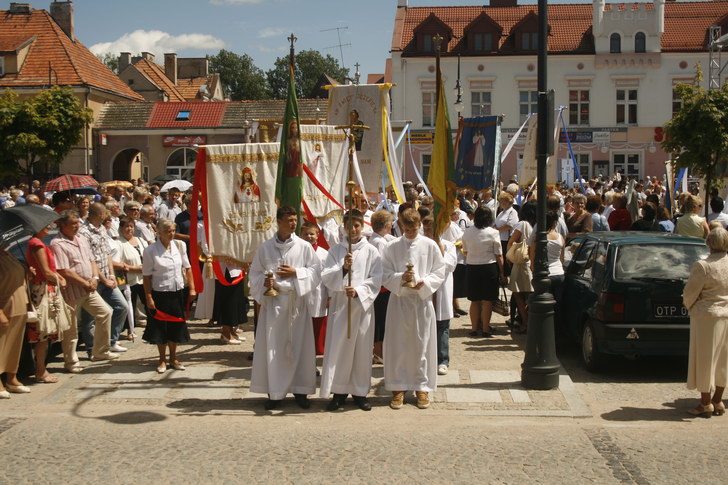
(363, 104)
(529, 166)
(326, 155)
(241, 186)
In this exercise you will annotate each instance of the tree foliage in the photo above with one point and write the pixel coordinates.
(239, 75)
(698, 133)
(310, 64)
(41, 129)
(110, 60)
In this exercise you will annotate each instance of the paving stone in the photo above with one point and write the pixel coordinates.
(472, 395)
(192, 372)
(216, 390)
(519, 395)
(94, 390)
(129, 373)
(494, 376)
(451, 378)
(141, 390)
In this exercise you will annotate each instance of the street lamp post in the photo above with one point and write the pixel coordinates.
(540, 368)
(458, 91)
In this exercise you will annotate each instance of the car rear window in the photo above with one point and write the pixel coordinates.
(668, 261)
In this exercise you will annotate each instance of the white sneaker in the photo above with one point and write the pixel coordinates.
(118, 348)
(442, 369)
(106, 356)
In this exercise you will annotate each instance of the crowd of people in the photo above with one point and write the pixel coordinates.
(384, 291)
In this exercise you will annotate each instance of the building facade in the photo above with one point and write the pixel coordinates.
(613, 67)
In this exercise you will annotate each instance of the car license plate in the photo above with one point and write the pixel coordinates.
(663, 310)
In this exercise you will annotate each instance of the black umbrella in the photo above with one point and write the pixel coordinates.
(21, 220)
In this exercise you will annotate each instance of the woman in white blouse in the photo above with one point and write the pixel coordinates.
(130, 253)
(484, 266)
(164, 266)
(507, 219)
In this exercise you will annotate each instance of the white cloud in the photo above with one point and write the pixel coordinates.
(271, 32)
(158, 42)
(233, 2)
(268, 49)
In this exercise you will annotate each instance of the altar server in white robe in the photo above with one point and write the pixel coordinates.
(410, 343)
(284, 359)
(443, 296)
(347, 367)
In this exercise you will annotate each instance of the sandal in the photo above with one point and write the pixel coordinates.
(47, 379)
(174, 364)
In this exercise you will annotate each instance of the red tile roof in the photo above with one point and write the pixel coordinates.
(54, 58)
(686, 24)
(155, 73)
(189, 88)
(202, 115)
(10, 42)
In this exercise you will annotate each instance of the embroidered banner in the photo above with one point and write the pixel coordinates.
(478, 156)
(241, 205)
(325, 155)
(529, 166)
(364, 104)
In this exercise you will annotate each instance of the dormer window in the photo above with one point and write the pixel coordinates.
(483, 42)
(482, 34)
(529, 41)
(640, 42)
(426, 32)
(427, 44)
(615, 43)
(183, 115)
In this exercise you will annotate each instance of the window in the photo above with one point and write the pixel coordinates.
(584, 162)
(640, 42)
(181, 163)
(428, 108)
(615, 44)
(582, 261)
(527, 103)
(529, 41)
(480, 103)
(579, 107)
(628, 164)
(426, 160)
(183, 116)
(483, 42)
(626, 106)
(427, 44)
(676, 102)
(2, 66)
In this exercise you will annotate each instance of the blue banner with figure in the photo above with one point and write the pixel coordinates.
(477, 163)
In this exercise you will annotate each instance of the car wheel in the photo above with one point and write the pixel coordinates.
(593, 358)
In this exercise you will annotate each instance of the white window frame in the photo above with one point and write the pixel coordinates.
(627, 154)
(480, 108)
(428, 104)
(575, 107)
(185, 171)
(582, 159)
(425, 163)
(626, 103)
(532, 103)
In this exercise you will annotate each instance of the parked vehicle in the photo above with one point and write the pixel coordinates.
(623, 294)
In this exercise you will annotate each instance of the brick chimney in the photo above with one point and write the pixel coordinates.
(170, 67)
(62, 13)
(124, 61)
(503, 3)
(20, 8)
(148, 56)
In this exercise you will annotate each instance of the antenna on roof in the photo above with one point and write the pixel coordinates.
(339, 45)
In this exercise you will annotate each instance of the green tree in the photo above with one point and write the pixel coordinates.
(42, 129)
(310, 64)
(698, 133)
(239, 75)
(110, 60)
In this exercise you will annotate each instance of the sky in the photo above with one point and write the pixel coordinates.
(259, 28)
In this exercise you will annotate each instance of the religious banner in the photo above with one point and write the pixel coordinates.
(529, 165)
(478, 155)
(324, 151)
(366, 104)
(240, 196)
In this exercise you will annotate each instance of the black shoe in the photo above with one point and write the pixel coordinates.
(302, 400)
(474, 333)
(461, 312)
(487, 334)
(272, 404)
(363, 403)
(337, 402)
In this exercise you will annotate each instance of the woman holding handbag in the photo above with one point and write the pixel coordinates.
(44, 292)
(520, 279)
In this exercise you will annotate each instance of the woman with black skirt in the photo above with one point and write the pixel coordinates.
(484, 269)
(230, 308)
(165, 267)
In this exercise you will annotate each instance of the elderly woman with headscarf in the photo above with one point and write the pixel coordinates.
(706, 298)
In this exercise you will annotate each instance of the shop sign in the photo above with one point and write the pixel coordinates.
(576, 137)
(183, 141)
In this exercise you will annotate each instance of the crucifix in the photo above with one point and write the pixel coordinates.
(357, 75)
(349, 130)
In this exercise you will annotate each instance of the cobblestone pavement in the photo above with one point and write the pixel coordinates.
(123, 423)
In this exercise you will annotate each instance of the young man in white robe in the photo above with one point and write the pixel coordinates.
(443, 296)
(410, 343)
(284, 360)
(347, 367)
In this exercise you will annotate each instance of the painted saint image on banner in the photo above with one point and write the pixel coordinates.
(317, 163)
(248, 190)
(293, 151)
(357, 132)
(478, 151)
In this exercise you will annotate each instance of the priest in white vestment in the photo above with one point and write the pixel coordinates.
(347, 367)
(284, 359)
(410, 342)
